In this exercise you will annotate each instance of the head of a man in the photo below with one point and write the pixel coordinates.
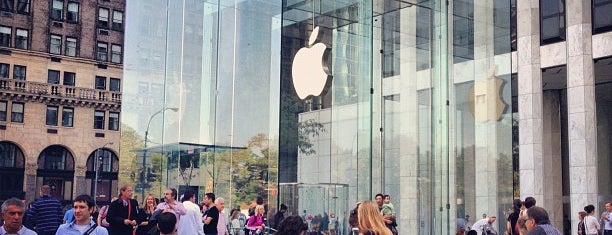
(220, 203)
(492, 219)
(379, 199)
(209, 199)
(45, 190)
(535, 216)
(609, 206)
(12, 214)
(170, 195)
(189, 196)
(83, 207)
(126, 192)
(166, 223)
(529, 202)
(283, 208)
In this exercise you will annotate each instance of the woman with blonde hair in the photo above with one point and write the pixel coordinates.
(148, 207)
(255, 223)
(370, 220)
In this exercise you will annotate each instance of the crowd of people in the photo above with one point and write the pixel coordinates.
(528, 219)
(123, 216)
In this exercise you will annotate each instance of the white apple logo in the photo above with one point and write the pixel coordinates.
(310, 74)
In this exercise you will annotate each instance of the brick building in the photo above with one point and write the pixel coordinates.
(61, 69)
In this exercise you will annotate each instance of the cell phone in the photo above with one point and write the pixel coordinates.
(355, 231)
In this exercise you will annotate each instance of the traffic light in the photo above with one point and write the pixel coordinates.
(151, 177)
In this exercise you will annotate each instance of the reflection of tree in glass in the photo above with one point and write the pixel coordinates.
(129, 166)
(306, 130)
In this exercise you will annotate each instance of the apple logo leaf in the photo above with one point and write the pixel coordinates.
(313, 36)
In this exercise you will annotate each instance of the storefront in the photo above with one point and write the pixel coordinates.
(406, 98)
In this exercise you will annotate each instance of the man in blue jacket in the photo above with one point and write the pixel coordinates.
(82, 224)
(46, 213)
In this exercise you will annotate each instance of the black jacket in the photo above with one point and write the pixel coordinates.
(117, 213)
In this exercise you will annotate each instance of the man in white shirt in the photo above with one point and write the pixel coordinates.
(12, 214)
(191, 222)
(222, 224)
(480, 225)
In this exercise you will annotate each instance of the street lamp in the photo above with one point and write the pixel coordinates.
(97, 169)
(144, 153)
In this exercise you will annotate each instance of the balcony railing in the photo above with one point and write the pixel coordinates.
(59, 91)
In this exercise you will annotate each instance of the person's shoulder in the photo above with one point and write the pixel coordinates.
(28, 231)
(101, 230)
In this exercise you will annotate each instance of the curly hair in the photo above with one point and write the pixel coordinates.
(370, 219)
(291, 225)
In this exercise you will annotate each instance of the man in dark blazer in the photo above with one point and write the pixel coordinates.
(122, 214)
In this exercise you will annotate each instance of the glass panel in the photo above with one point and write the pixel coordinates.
(53, 77)
(113, 121)
(17, 112)
(116, 53)
(23, 6)
(100, 83)
(102, 51)
(602, 20)
(99, 119)
(117, 20)
(5, 36)
(57, 9)
(552, 21)
(67, 117)
(3, 110)
(69, 78)
(603, 102)
(51, 115)
(21, 39)
(19, 72)
(73, 12)
(4, 70)
(115, 84)
(71, 45)
(103, 18)
(55, 47)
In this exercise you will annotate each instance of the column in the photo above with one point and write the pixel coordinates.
(409, 218)
(582, 132)
(530, 100)
(551, 151)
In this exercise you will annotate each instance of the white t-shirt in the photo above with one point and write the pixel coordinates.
(82, 228)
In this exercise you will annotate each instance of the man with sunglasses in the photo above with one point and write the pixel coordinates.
(538, 223)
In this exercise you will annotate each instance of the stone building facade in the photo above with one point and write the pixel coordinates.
(61, 69)
(562, 77)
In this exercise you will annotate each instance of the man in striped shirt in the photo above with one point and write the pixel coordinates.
(46, 213)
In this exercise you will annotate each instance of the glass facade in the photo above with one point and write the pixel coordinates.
(416, 103)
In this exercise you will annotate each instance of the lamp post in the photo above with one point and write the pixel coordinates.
(97, 169)
(144, 152)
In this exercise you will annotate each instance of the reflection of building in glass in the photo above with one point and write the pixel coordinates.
(422, 105)
(61, 70)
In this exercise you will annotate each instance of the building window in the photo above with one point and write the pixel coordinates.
(21, 39)
(55, 45)
(19, 72)
(53, 77)
(103, 18)
(67, 117)
(99, 120)
(113, 121)
(100, 83)
(552, 21)
(116, 53)
(71, 46)
(602, 19)
(6, 5)
(4, 70)
(69, 78)
(115, 84)
(117, 20)
(23, 6)
(102, 51)
(3, 111)
(57, 9)
(17, 112)
(51, 116)
(72, 15)
(5, 36)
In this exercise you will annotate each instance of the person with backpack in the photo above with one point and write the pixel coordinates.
(82, 224)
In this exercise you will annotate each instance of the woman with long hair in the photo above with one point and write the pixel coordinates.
(148, 207)
(370, 220)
